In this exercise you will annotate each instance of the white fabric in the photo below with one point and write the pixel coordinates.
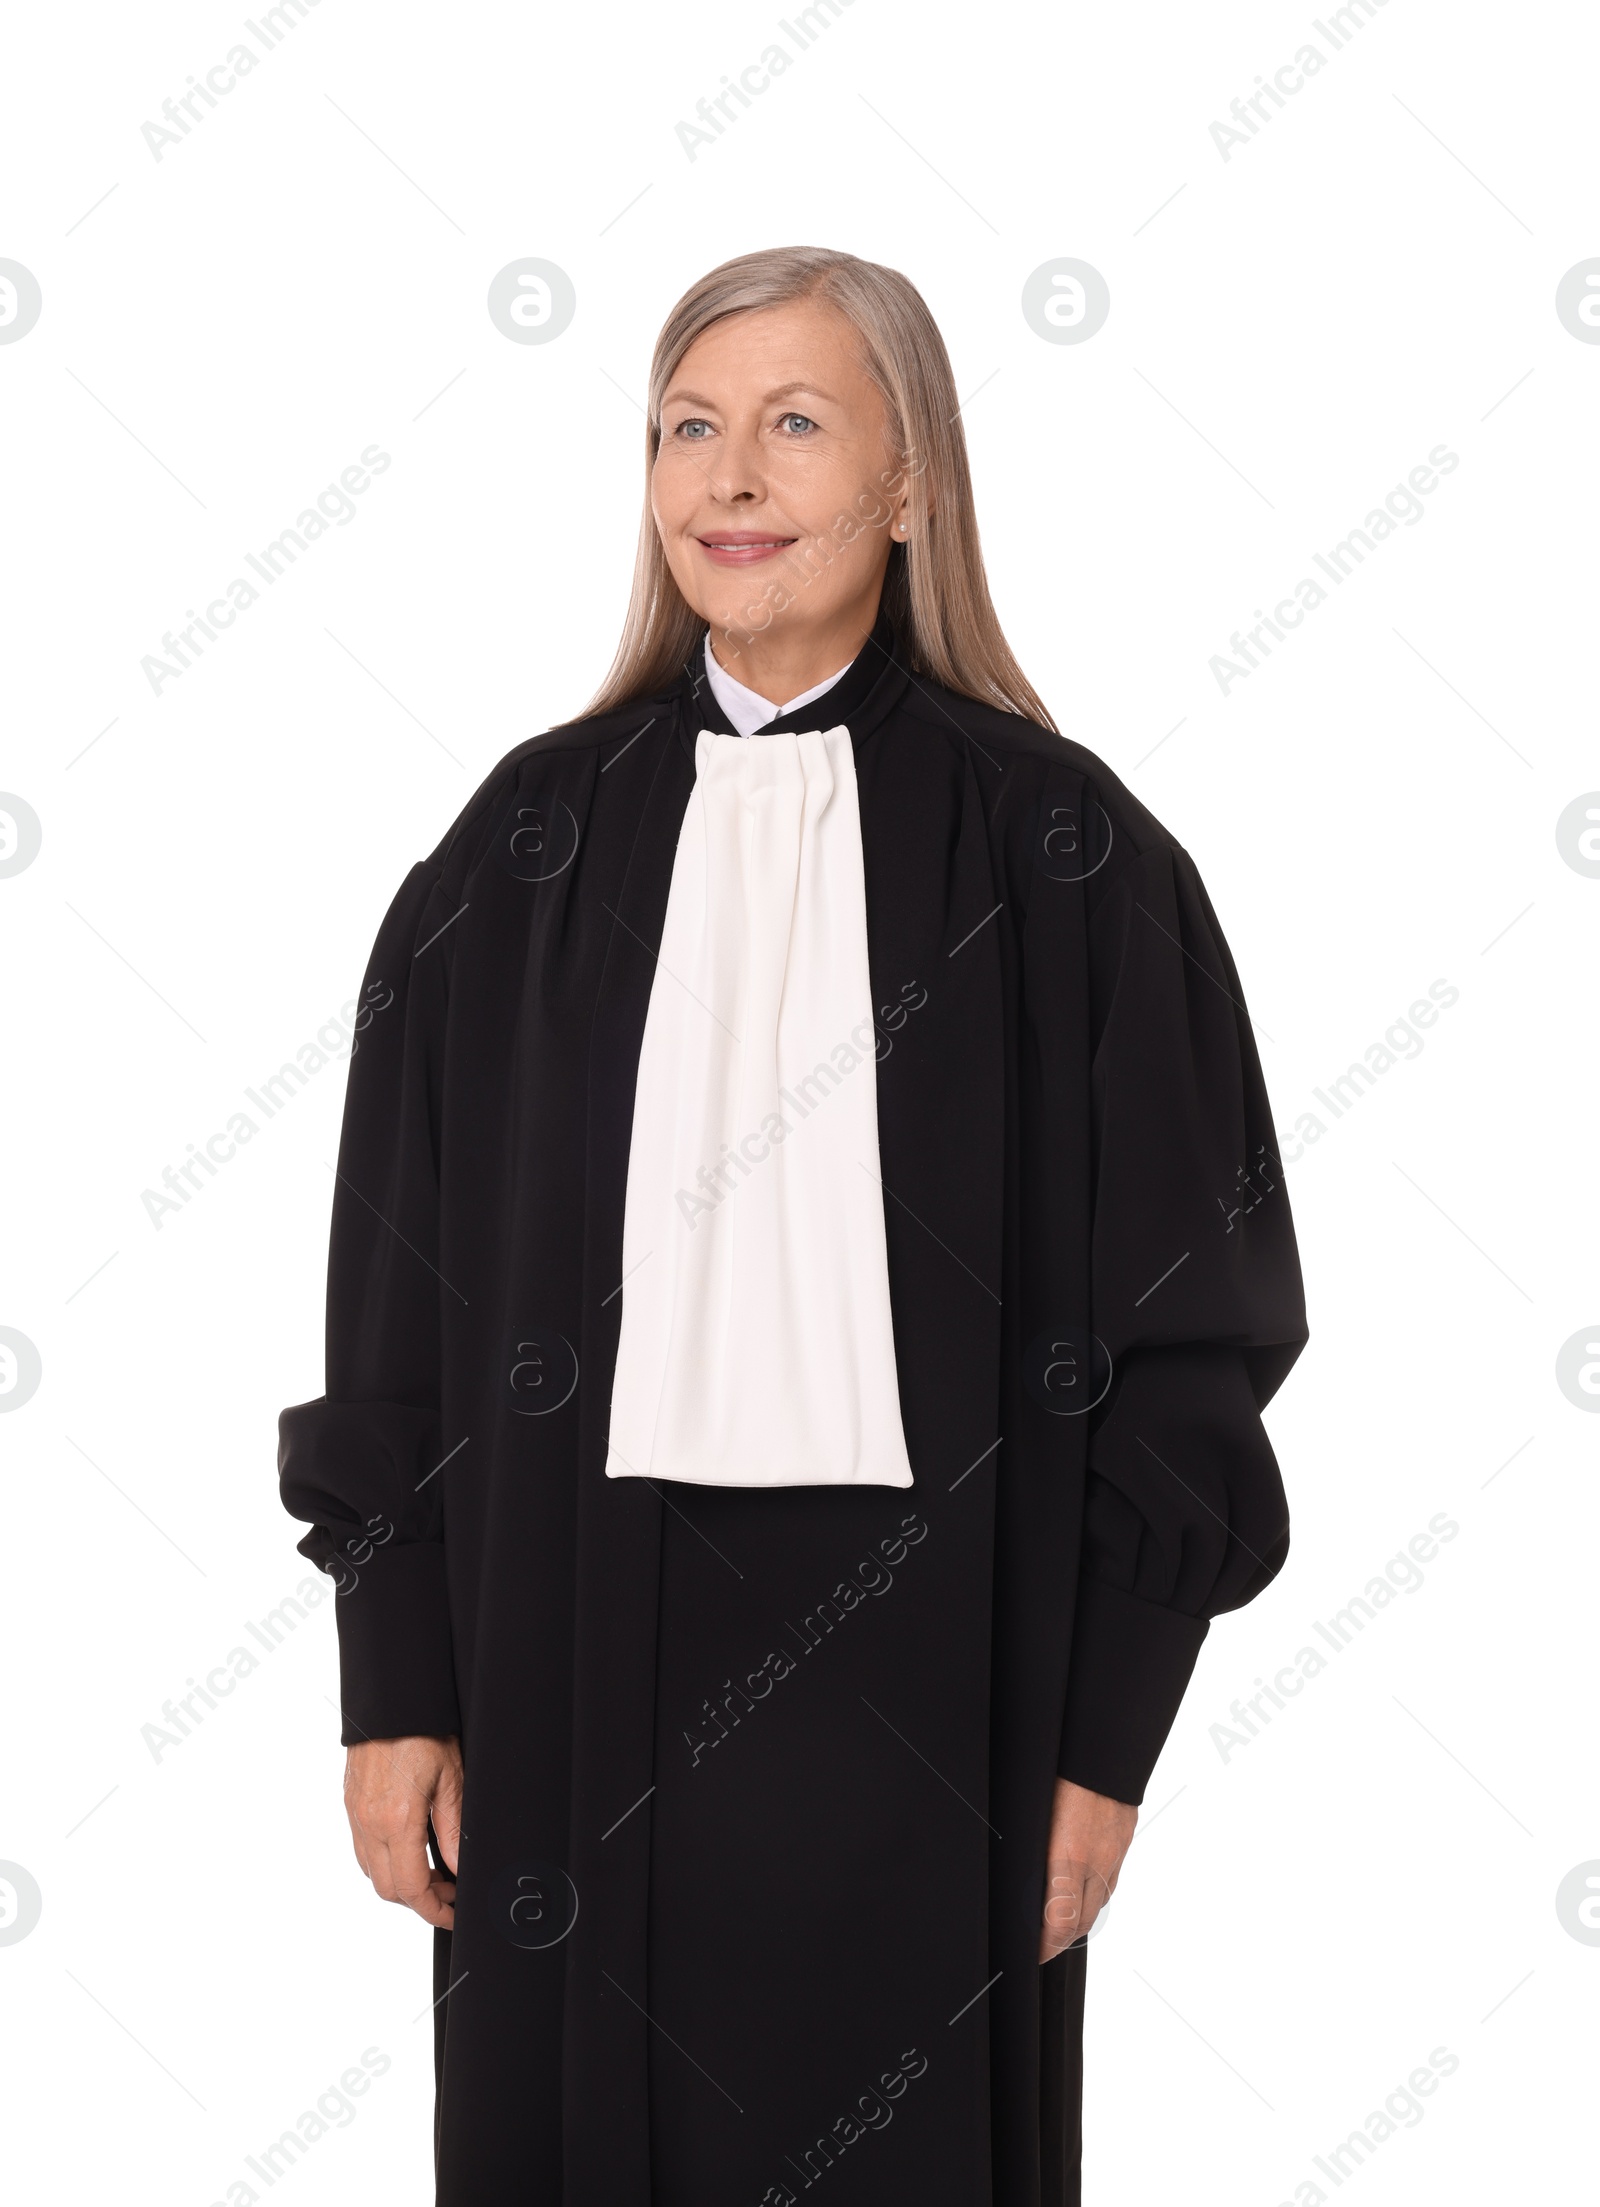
(748, 709)
(757, 1345)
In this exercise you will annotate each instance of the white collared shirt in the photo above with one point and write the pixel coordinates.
(746, 710)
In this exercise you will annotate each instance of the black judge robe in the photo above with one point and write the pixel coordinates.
(758, 1781)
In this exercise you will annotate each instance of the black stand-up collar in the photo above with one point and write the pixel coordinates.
(862, 696)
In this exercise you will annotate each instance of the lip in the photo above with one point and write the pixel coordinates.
(743, 547)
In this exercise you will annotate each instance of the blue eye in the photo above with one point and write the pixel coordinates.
(786, 421)
(684, 427)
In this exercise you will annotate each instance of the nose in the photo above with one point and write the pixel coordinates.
(735, 477)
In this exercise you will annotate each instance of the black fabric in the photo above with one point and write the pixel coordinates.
(1062, 1984)
(803, 1851)
(1095, 1291)
(1131, 1661)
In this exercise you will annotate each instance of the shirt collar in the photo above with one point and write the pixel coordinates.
(865, 694)
(747, 711)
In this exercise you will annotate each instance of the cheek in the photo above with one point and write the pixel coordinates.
(674, 502)
(849, 541)
(672, 493)
(829, 498)
(820, 490)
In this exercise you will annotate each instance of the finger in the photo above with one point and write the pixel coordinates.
(357, 1839)
(447, 1815)
(438, 1905)
(434, 1902)
(1096, 1894)
(400, 1867)
(406, 1876)
(1063, 1909)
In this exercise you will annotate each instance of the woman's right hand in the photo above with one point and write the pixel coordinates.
(1089, 1835)
(391, 1788)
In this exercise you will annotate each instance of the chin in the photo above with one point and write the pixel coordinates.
(737, 614)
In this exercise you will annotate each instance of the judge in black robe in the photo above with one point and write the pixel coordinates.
(759, 1781)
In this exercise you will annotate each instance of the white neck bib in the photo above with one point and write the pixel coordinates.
(757, 1343)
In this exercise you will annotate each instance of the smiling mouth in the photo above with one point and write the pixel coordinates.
(742, 547)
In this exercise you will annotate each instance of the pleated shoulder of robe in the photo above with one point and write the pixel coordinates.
(758, 1781)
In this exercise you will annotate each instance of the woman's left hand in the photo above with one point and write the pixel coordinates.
(1089, 1836)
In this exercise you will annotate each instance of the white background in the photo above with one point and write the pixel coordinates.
(1292, 330)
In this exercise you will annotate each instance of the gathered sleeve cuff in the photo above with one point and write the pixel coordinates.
(359, 1473)
(1131, 1664)
(358, 1464)
(1198, 1303)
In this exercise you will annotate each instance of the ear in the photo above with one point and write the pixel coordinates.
(900, 528)
(904, 482)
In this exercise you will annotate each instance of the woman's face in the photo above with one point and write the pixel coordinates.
(775, 490)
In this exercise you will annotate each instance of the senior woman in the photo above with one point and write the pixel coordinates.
(796, 1340)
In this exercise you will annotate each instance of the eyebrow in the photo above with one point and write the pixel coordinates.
(784, 390)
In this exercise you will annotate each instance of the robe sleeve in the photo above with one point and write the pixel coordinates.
(357, 1462)
(1197, 1301)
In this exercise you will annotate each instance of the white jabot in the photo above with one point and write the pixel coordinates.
(757, 1343)
(748, 709)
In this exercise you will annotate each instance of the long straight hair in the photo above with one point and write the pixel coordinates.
(935, 590)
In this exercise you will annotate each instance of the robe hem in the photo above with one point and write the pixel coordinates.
(701, 1479)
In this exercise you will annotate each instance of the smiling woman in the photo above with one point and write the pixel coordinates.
(822, 480)
(841, 489)
(974, 1253)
